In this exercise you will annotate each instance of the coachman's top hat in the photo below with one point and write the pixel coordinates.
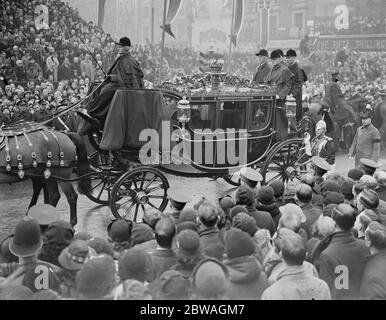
(124, 42)
(262, 52)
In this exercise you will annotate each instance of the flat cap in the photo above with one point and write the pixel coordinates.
(178, 195)
(321, 163)
(251, 174)
(369, 163)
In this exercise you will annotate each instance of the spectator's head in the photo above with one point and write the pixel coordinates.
(120, 230)
(27, 240)
(151, 217)
(244, 195)
(208, 215)
(165, 230)
(303, 193)
(292, 217)
(375, 236)
(368, 199)
(132, 290)
(347, 189)
(6, 256)
(135, 264)
(380, 176)
(101, 246)
(344, 217)
(292, 248)
(97, 278)
(266, 195)
(278, 188)
(75, 255)
(369, 181)
(245, 222)
(308, 179)
(210, 279)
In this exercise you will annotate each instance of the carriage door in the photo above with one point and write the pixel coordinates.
(232, 123)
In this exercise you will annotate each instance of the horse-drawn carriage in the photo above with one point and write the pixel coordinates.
(211, 125)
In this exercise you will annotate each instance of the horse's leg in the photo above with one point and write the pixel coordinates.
(36, 187)
(47, 194)
(72, 199)
(52, 192)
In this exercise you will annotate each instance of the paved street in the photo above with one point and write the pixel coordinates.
(14, 200)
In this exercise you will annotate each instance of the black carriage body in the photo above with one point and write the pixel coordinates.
(221, 126)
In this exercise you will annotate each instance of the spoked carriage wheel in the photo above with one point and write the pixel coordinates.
(285, 162)
(103, 178)
(137, 191)
(233, 179)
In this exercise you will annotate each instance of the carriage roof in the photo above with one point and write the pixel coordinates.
(200, 87)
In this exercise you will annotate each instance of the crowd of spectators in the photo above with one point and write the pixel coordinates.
(278, 241)
(357, 25)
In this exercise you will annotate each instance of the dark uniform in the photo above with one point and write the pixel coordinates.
(366, 144)
(341, 112)
(281, 77)
(321, 167)
(263, 69)
(178, 200)
(297, 84)
(126, 73)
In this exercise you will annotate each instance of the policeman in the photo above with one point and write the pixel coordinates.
(322, 145)
(367, 140)
(321, 167)
(251, 178)
(178, 200)
(368, 166)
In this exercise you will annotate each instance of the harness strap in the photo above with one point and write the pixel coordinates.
(61, 153)
(8, 156)
(33, 153)
(19, 157)
(47, 172)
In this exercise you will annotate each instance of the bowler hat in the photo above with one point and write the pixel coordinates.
(27, 240)
(262, 52)
(266, 195)
(238, 243)
(124, 42)
(355, 174)
(291, 53)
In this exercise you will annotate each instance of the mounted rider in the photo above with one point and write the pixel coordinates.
(334, 98)
(124, 73)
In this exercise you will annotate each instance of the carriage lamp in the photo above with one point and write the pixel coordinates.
(183, 113)
(290, 110)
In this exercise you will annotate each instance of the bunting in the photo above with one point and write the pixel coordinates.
(238, 21)
(174, 8)
(101, 12)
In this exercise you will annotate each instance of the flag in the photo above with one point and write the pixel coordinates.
(238, 21)
(101, 12)
(174, 8)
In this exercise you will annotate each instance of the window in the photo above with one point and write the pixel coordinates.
(146, 12)
(233, 114)
(201, 116)
(260, 113)
(273, 24)
(298, 20)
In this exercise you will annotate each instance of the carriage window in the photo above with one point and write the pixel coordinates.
(201, 116)
(259, 115)
(233, 114)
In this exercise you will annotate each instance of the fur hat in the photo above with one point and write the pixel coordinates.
(369, 199)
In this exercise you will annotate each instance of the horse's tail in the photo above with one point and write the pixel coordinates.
(84, 184)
